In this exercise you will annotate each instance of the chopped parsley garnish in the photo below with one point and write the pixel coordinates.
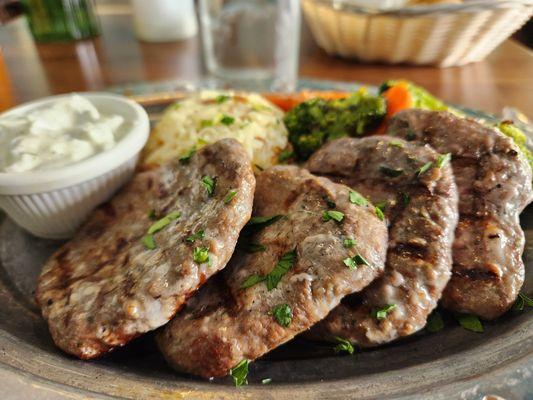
(443, 159)
(255, 247)
(405, 198)
(285, 155)
(149, 242)
(184, 159)
(390, 172)
(469, 322)
(222, 98)
(522, 301)
(357, 199)
(266, 381)
(343, 345)
(281, 268)
(273, 277)
(227, 120)
(379, 213)
(201, 255)
(435, 322)
(206, 123)
(410, 135)
(240, 372)
(382, 205)
(282, 313)
(382, 312)
(252, 280)
(330, 203)
(355, 261)
(231, 194)
(196, 236)
(151, 214)
(332, 215)
(396, 143)
(350, 263)
(163, 222)
(424, 168)
(209, 184)
(348, 242)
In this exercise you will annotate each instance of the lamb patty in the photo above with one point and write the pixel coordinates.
(138, 258)
(494, 183)
(299, 270)
(417, 191)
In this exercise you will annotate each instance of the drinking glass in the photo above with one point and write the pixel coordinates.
(251, 44)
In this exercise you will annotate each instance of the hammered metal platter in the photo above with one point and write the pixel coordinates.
(451, 364)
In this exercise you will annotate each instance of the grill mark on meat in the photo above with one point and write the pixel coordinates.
(104, 288)
(224, 324)
(494, 183)
(420, 236)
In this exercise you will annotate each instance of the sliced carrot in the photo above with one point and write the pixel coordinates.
(398, 98)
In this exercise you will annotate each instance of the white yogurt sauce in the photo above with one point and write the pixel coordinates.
(70, 130)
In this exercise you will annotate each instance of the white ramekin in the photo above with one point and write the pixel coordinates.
(53, 203)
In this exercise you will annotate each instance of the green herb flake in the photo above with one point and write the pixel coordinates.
(343, 345)
(424, 168)
(379, 213)
(209, 184)
(205, 123)
(266, 381)
(227, 120)
(252, 280)
(263, 221)
(348, 242)
(357, 199)
(158, 225)
(360, 260)
(396, 143)
(255, 247)
(231, 194)
(151, 214)
(405, 198)
(184, 159)
(443, 159)
(174, 215)
(410, 135)
(522, 301)
(280, 269)
(285, 155)
(201, 255)
(239, 373)
(435, 322)
(382, 205)
(197, 236)
(390, 172)
(332, 215)
(149, 242)
(222, 98)
(282, 313)
(382, 312)
(350, 263)
(469, 322)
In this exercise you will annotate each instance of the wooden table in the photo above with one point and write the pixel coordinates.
(504, 78)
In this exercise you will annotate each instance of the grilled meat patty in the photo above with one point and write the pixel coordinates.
(494, 183)
(297, 272)
(419, 198)
(139, 257)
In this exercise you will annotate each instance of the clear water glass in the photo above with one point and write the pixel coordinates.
(251, 44)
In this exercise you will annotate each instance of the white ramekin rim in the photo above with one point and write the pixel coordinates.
(30, 182)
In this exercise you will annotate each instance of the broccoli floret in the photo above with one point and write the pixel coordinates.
(315, 121)
(519, 137)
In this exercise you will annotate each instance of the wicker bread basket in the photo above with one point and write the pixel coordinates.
(443, 35)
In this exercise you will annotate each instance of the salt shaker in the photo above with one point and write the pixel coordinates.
(164, 20)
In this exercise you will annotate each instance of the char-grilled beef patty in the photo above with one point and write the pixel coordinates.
(114, 281)
(266, 297)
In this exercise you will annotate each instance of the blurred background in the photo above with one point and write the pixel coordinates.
(473, 52)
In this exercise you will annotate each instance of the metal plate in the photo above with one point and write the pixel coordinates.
(450, 364)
